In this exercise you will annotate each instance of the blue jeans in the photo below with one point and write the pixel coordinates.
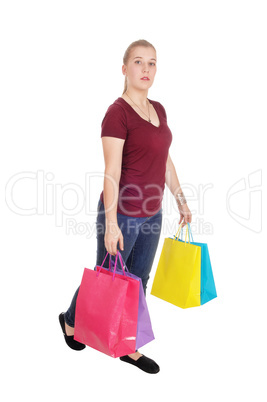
(140, 238)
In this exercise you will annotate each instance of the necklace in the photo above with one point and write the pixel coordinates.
(141, 109)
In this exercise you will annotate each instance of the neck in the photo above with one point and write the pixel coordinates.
(139, 97)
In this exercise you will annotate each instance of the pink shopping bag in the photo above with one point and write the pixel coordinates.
(107, 311)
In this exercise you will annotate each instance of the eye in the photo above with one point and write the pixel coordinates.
(138, 61)
(152, 64)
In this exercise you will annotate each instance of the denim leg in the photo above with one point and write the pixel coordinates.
(143, 253)
(70, 314)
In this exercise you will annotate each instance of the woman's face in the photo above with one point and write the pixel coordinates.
(141, 65)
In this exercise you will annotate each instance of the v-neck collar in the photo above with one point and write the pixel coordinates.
(142, 117)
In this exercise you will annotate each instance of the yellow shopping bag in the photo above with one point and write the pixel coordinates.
(178, 274)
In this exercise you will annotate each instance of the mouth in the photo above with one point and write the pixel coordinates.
(145, 78)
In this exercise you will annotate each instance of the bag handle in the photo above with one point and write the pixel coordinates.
(177, 235)
(187, 235)
(115, 265)
(123, 265)
(190, 232)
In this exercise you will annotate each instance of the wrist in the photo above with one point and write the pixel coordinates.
(180, 199)
(111, 222)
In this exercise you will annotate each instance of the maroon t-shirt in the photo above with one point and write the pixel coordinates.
(144, 158)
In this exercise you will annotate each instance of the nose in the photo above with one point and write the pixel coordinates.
(146, 68)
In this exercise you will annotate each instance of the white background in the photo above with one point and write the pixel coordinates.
(60, 70)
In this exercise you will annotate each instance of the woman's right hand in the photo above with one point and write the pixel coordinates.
(113, 235)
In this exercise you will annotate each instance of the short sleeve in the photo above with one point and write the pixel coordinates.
(114, 123)
(163, 111)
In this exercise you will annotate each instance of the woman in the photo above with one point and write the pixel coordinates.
(136, 140)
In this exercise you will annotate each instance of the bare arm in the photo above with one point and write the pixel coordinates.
(112, 149)
(171, 179)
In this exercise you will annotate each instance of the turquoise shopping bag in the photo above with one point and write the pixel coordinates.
(207, 284)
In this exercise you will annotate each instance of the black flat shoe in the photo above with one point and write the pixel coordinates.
(144, 363)
(70, 341)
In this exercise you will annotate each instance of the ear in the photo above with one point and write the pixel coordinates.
(124, 68)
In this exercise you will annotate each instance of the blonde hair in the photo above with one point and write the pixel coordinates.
(140, 42)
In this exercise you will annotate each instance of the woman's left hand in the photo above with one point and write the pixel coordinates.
(185, 215)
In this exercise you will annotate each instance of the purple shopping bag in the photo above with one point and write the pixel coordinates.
(144, 333)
